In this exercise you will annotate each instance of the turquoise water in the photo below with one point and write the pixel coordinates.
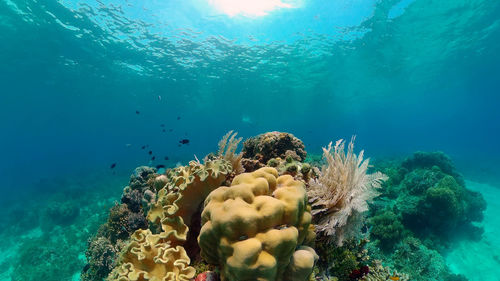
(86, 84)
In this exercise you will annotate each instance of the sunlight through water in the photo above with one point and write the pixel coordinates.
(252, 8)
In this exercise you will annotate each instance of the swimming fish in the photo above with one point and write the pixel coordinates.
(178, 118)
(160, 166)
(394, 278)
(162, 125)
(163, 130)
(143, 147)
(159, 97)
(184, 141)
(150, 152)
(166, 158)
(113, 165)
(153, 158)
(137, 112)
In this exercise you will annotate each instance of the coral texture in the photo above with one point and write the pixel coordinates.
(342, 191)
(272, 145)
(123, 220)
(150, 257)
(381, 273)
(184, 192)
(259, 228)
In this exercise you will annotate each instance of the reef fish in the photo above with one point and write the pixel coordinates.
(184, 141)
(113, 166)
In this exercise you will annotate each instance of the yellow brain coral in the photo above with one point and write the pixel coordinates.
(150, 257)
(258, 228)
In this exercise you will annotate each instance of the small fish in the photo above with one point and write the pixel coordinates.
(170, 130)
(143, 147)
(163, 130)
(162, 125)
(113, 165)
(150, 152)
(153, 158)
(166, 158)
(394, 278)
(159, 97)
(184, 141)
(160, 166)
(178, 118)
(137, 112)
(128, 145)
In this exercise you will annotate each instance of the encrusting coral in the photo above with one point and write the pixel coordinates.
(340, 195)
(259, 228)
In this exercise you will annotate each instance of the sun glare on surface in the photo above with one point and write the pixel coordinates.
(253, 8)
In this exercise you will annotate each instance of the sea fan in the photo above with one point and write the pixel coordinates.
(340, 195)
(227, 151)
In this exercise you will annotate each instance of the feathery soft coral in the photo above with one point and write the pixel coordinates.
(340, 195)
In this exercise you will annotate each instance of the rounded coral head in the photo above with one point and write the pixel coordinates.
(253, 228)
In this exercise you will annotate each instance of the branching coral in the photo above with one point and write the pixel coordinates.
(342, 191)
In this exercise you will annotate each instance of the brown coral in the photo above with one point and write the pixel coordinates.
(272, 145)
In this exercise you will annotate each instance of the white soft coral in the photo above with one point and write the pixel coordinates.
(340, 194)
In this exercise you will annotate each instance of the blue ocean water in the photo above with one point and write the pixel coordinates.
(85, 84)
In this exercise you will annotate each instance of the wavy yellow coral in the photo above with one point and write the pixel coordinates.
(186, 189)
(256, 228)
(150, 257)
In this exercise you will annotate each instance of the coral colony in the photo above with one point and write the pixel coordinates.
(272, 213)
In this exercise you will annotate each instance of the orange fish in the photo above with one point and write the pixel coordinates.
(394, 278)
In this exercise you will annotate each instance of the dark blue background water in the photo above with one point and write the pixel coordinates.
(402, 76)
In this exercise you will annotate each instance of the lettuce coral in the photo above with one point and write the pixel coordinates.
(182, 195)
(150, 257)
(259, 228)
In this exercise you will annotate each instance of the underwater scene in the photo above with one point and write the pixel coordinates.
(250, 140)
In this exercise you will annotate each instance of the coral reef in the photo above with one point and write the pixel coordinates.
(424, 208)
(381, 273)
(273, 145)
(258, 228)
(151, 257)
(340, 262)
(123, 220)
(341, 193)
(191, 222)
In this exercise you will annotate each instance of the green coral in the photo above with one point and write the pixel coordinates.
(387, 228)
